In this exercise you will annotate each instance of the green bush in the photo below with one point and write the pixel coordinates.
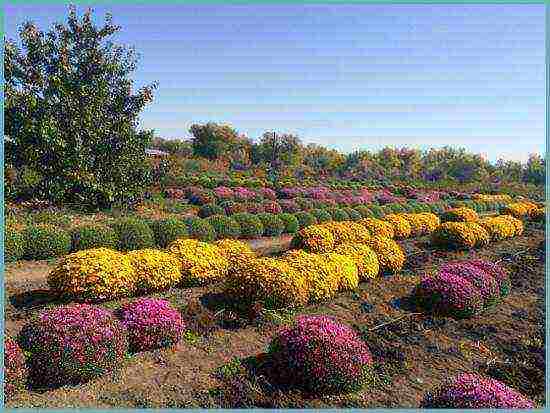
(305, 219)
(273, 226)
(200, 229)
(208, 210)
(290, 221)
(364, 211)
(251, 225)
(338, 214)
(93, 236)
(168, 230)
(14, 245)
(225, 226)
(395, 208)
(353, 214)
(45, 241)
(321, 215)
(377, 211)
(133, 234)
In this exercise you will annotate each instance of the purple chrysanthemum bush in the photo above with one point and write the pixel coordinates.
(15, 369)
(463, 289)
(151, 323)
(472, 391)
(321, 355)
(73, 344)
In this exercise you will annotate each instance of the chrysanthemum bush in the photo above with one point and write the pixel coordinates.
(473, 391)
(85, 237)
(290, 221)
(378, 227)
(422, 223)
(45, 241)
(484, 282)
(460, 215)
(15, 369)
(321, 355)
(502, 227)
(347, 231)
(151, 323)
(391, 256)
(315, 238)
(94, 274)
(516, 223)
(14, 245)
(133, 234)
(491, 197)
(519, 209)
(401, 226)
(155, 270)
(458, 235)
(496, 271)
(238, 253)
(201, 263)
(364, 258)
(345, 267)
(73, 344)
(537, 214)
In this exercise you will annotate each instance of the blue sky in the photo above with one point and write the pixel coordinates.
(347, 77)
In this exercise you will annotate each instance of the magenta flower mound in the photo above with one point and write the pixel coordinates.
(268, 193)
(15, 369)
(152, 323)
(471, 391)
(223, 193)
(73, 344)
(449, 294)
(485, 283)
(495, 271)
(321, 355)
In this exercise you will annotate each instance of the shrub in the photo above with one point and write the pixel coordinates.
(201, 263)
(272, 207)
(457, 235)
(14, 245)
(459, 215)
(448, 294)
(232, 207)
(518, 209)
(45, 241)
(390, 255)
(364, 258)
(516, 223)
(378, 227)
(94, 274)
(497, 228)
(202, 197)
(15, 369)
(401, 227)
(537, 215)
(255, 208)
(321, 355)
(155, 270)
(200, 229)
(236, 252)
(273, 226)
(345, 268)
(289, 206)
(315, 238)
(353, 214)
(73, 344)
(93, 236)
(395, 208)
(168, 230)
(338, 214)
(305, 219)
(495, 271)
(377, 211)
(364, 211)
(321, 215)
(482, 237)
(347, 231)
(273, 282)
(133, 234)
(251, 226)
(208, 210)
(305, 204)
(151, 323)
(290, 221)
(472, 391)
(224, 226)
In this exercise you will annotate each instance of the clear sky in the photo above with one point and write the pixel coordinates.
(347, 77)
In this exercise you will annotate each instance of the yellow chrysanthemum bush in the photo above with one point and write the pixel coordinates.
(201, 263)
(481, 235)
(345, 267)
(537, 214)
(314, 238)
(391, 256)
(460, 215)
(363, 256)
(323, 282)
(519, 209)
(422, 223)
(155, 270)
(95, 274)
(492, 198)
(347, 231)
(378, 227)
(515, 222)
(401, 226)
(460, 235)
(237, 252)
(271, 281)
(498, 228)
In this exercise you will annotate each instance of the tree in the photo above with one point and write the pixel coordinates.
(535, 170)
(214, 141)
(278, 150)
(71, 113)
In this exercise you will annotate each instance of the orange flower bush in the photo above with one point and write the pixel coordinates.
(378, 227)
(460, 215)
(401, 226)
(391, 256)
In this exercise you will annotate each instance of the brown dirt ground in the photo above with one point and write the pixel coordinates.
(414, 352)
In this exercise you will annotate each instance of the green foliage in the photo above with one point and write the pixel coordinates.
(208, 210)
(14, 245)
(133, 234)
(338, 214)
(45, 241)
(273, 226)
(213, 141)
(377, 211)
(93, 236)
(321, 215)
(200, 229)
(251, 225)
(305, 219)
(290, 221)
(364, 211)
(168, 230)
(225, 227)
(71, 114)
(353, 214)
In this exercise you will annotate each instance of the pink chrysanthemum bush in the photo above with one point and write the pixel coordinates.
(321, 355)
(472, 391)
(15, 369)
(73, 344)
(497, 272)
(151, 323)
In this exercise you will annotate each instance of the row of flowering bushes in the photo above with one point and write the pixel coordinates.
(463, 289)
(520, 209)
(493, 197)
(76, 343)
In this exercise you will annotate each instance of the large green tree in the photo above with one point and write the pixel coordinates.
(71, 112)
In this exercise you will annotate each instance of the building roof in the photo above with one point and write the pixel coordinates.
(155, 152)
